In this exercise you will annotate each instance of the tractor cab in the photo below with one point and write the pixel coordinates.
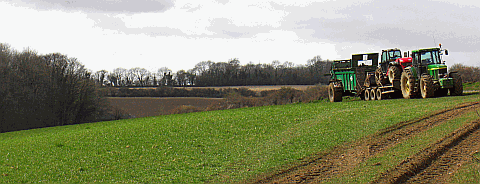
(428, 61)
(389, 56)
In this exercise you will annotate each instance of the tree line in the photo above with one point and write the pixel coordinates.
(44, 90)
(468, 73)
(231, 73)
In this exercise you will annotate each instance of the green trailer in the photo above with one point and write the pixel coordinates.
(353, 76)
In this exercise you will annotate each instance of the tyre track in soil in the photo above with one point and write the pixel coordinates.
(438, 162)
(343, 158)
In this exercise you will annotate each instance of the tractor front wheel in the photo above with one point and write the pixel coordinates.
(426, 86)
(334, 93)
(457, 89)
(407, 84)
(394, 72)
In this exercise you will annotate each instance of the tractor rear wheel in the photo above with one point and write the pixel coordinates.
(372, 94)
(379, 94)
(334, 93)
(457, 89)
(394, 72)
(426, 86)
(367, 95)
(380, 78)
(407, 84)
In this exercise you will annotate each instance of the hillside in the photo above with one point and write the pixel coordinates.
(248, 144)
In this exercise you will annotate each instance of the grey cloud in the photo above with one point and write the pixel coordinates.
(156, 31)
(110, 6)
(400, 24)
(224, 28)
(223, 1)
(110, 22)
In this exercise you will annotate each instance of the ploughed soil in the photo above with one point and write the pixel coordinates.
(151, 106)
(434, 164)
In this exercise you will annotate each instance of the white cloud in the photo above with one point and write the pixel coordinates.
(259, 31)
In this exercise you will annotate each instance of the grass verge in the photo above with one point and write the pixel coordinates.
(216, 146)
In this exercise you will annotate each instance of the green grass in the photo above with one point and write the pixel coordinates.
(217, 146)
(470, 172)
(471, 86)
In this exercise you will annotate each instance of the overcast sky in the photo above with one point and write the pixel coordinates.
(107, 34)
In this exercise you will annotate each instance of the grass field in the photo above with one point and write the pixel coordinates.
(216, 146)
(471, 86)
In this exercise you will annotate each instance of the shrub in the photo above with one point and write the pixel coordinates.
(314, 93)
(236, 100)
(284, 95)
(186, 109)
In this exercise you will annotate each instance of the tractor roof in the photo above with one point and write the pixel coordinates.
(363, 54)
(426, 50)
(395, 49)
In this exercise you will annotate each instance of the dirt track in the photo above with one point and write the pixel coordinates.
(435, 164)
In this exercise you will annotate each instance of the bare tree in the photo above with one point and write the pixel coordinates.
(161, 73)
(101, 77)
(181, 77)
(202, 67)
(116, 77)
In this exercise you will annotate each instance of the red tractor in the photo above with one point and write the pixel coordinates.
(390, 67)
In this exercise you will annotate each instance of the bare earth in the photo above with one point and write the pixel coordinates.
(253, 88)
(151, 106)
(434, 164)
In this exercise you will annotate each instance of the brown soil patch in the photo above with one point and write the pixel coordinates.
(343, 158)
(253, 88)
(150, 106)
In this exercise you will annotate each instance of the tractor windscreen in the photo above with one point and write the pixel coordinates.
(394, 54)
(430, 57)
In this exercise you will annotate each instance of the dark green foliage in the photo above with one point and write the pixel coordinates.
(467, 73)
(44, 90)
(285, 95)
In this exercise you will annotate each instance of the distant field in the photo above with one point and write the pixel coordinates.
(253, 88)
(151, 106)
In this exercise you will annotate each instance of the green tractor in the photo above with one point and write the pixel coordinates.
(428, 76)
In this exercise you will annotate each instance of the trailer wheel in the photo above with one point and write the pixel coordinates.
(367, 95)
(372, 94)
(394, 72)
(334, 94)
(426, 86)
(407, 84)
(457, 89)
(379, 94)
